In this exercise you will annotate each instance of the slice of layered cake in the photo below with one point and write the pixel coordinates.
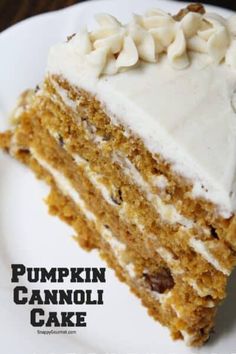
(134, 129)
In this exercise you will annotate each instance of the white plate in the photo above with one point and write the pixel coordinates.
(30, 236)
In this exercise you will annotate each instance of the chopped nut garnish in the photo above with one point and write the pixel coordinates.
(70, 37)
(196, 7)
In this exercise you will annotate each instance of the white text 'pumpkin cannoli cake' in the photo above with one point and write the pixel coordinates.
(134, 129)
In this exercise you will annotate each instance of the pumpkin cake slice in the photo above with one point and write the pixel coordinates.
(134, 130)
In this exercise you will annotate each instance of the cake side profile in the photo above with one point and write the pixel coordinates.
(134, 130)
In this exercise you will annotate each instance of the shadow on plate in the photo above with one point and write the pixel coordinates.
(226, 316)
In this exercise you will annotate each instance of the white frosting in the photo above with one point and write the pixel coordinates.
(95, 179)
(187, 116)
(114, 47)
(200, 247)
(119, 249)
(167, 212)
(168, 257)
(188, 338)
(201, 291)
(64, 185)
(176, 269)
(159, 181)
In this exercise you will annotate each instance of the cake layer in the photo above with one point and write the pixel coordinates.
(177, 311)
(180, 309)
(152, 241)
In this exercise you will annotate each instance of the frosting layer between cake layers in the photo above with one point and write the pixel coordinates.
(187, 116)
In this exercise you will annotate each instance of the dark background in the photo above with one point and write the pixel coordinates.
(12, 11)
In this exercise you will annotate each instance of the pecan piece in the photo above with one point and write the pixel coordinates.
(195, 7)
(160, 281)
(70, 37)
(117, 197)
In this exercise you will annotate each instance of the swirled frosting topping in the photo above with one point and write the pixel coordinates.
(114, 47)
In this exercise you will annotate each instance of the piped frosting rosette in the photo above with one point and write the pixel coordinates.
(114, 47)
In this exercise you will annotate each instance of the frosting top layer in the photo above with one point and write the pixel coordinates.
(114, 47)
(186, 115)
